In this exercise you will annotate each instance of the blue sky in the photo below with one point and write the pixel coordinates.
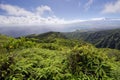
(56, 11)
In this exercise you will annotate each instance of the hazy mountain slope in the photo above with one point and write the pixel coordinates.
(104, 39)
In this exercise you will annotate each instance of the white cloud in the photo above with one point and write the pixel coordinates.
(97, 19)
(29, 20)
(15, 10)
(42, 9)
(112, 7)
(88, 4)
(19, 16)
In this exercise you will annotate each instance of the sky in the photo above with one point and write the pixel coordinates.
(45, 12)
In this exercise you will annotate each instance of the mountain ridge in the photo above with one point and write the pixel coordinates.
(101, 39)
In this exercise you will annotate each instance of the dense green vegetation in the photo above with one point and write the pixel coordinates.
(51, 56)
(101, 39)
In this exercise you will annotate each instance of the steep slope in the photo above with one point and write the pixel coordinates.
(103, 39)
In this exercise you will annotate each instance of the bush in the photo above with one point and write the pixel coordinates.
(21, 43)
(88, 62)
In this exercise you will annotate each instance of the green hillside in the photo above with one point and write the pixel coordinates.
(53, 57)
(101, 39)
(46, 37)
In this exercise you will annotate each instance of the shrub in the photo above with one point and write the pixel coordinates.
(88, 62)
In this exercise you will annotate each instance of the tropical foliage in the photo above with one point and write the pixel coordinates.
(56, 58)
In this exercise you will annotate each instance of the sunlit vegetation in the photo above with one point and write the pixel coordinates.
(54, 57)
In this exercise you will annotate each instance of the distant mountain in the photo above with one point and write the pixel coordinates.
(102, 39)
(46, 37)
(95, 24)
(105, 39)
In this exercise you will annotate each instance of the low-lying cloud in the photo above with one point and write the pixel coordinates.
(18, 21)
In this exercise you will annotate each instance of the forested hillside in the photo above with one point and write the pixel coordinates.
(101, 39)
(46, 37)
(53, 57)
